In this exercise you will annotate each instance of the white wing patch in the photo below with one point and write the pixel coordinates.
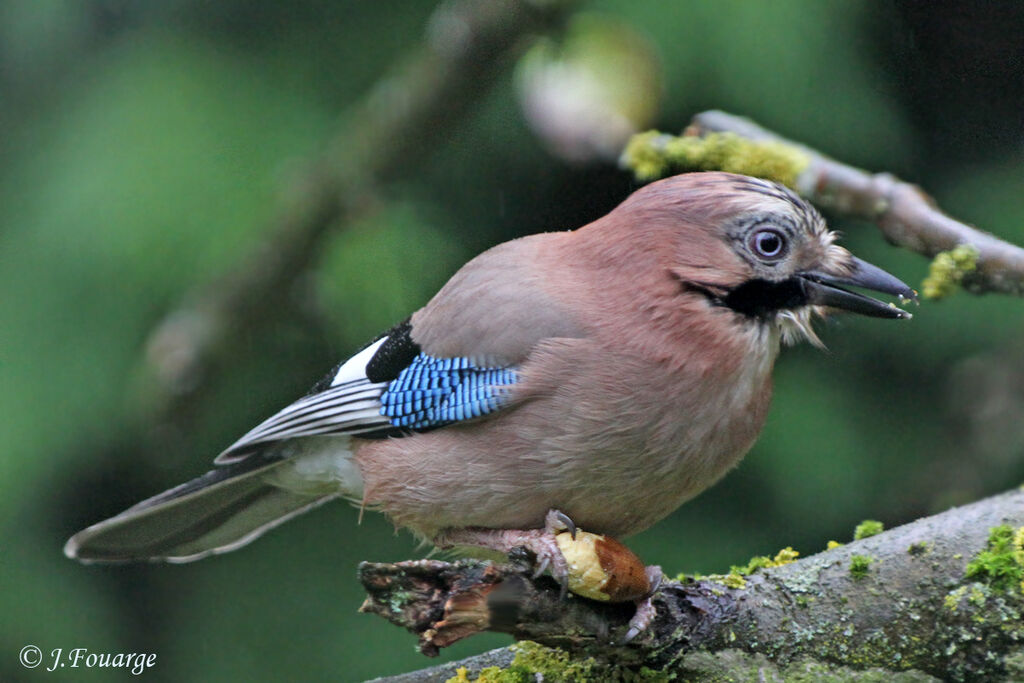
(351, 405)
(354, 368)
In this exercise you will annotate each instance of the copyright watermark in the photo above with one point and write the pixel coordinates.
(30, 656)
(81, 658)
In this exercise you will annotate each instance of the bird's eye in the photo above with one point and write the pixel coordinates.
(768, 244)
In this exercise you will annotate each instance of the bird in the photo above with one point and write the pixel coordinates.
(598, 377)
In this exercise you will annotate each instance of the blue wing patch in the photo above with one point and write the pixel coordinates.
(432, 392)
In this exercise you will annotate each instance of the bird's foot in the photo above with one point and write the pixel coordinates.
(601, 568)
(645, 611)
(590, 565)
(542, 543)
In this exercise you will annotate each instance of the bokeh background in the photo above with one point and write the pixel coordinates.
(146, 148)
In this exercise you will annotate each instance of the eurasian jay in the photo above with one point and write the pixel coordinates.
(609, 373)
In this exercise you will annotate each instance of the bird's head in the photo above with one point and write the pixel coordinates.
(756, 248)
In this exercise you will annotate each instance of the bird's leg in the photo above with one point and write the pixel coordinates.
(644, 606)
(540, 542)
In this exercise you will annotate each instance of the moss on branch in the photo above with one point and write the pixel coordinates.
(867, 529)
(1001, 563)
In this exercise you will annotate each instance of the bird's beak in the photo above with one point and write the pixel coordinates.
(825, 289)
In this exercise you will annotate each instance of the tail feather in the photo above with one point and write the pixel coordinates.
(220, 511)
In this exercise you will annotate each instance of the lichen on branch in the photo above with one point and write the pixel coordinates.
(947, 271)
(653, 155)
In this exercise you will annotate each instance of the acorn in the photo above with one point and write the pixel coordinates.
(601, 568)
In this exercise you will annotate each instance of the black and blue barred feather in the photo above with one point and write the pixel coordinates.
(400, 390)
(433, 392)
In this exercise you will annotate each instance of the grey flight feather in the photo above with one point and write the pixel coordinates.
(220, 511)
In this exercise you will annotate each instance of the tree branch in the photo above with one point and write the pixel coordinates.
(405, 116)
(903, 212)
(899, 600)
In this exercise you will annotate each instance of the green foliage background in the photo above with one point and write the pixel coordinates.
(144, 145)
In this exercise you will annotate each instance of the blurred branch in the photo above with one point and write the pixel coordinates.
(906, 216)
(908, 598)
(406, 115)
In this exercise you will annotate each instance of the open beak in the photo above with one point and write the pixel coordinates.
(824, 289)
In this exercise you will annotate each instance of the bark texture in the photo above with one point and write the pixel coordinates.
(900, 601)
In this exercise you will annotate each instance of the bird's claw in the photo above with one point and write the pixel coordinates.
(557, 521)
(549, 555)
(542, 565)
(550, 558)
(655, 576)
(645, 610)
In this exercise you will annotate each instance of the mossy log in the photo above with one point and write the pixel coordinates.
(940, 597)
